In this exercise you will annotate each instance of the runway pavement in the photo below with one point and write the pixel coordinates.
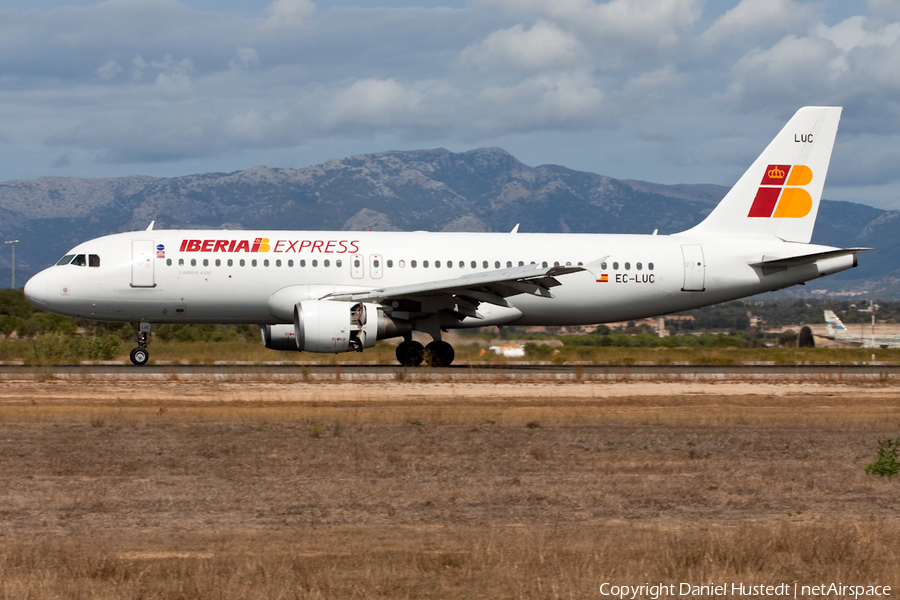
(481, 372)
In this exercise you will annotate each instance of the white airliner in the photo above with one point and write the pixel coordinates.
(839, 333)
(339, 291)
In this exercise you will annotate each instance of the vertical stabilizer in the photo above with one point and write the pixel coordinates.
(779, 195)
(836, 328)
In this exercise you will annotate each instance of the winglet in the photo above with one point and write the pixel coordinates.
(595, 266)
(515, 229)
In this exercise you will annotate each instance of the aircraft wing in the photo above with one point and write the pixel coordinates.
(492, 287)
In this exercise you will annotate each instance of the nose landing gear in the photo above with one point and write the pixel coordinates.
(140, 356)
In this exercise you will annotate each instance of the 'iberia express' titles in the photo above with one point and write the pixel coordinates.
(264, 245)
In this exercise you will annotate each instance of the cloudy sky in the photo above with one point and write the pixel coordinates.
(669, 91)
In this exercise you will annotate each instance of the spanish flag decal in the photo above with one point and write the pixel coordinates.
(604, 278)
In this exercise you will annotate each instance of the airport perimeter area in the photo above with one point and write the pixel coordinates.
(209, 484)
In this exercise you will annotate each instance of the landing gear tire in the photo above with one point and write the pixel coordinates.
(439, 354)
(410, 354)
(140, 356)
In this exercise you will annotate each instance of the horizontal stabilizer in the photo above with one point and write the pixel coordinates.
(805, 259)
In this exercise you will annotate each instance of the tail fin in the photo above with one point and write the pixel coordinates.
(835, 327)
(779, 194)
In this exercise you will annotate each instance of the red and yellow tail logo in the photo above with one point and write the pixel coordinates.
(781, 194)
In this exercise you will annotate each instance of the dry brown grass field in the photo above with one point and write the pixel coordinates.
(202, 487)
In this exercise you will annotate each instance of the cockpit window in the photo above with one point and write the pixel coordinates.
(80, 260)
(93, 260)
(66, 259)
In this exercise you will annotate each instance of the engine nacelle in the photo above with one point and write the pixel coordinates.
(279, 337)
(323, 326)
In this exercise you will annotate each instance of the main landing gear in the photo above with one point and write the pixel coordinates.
(140, 356)
(411, 353)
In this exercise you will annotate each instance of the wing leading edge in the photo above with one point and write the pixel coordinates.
(462, 295)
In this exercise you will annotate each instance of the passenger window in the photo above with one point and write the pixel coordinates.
(230, 262)
(484, 265)
(79, 261)
(356, 263)
(449, 264)
(66, 259)
(302, 263)
(266, 262)
(338, 264)
(168, 262)
(218, 262)
(521, 263)
(462, 264)
(243, 262)
(424, 264)
(278, 263)
(473, 264)
(412, 264)
(193, 262)
(315, 263)
(253, 263)
(650, 266)
(602, 265)
(627, 266)
(615, 266)
(508, 263)
(544, 264)
(390, 264)
(376, 263)
(205, 262)
(290, 263)
(326, 263)
(437, 264)
(180, 262)
(556, 264)
(93, 260)
(401, 263)
(639, 266)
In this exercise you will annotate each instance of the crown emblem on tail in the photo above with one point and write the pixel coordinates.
(776, 173)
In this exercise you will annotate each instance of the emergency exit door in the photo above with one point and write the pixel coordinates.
(142, 260)
(694, 268)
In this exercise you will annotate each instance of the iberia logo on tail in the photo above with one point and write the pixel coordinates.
(781, 193)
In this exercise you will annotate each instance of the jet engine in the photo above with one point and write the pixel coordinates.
(323, 326)
(278, 337)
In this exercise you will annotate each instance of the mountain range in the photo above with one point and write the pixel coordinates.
(480, 190)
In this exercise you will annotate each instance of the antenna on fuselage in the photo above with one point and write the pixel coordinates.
(515, 229)
(150, 226)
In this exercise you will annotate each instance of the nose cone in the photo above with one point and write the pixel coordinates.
(36, 290)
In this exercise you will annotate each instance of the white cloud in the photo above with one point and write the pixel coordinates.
(286, 14)
(859, 32)
(886, 8)
(755, 18)
(850, 64)
(108, 70)
(542, 47)
(371, 103)
(639, 25)
(563, 100)
(246, 58)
